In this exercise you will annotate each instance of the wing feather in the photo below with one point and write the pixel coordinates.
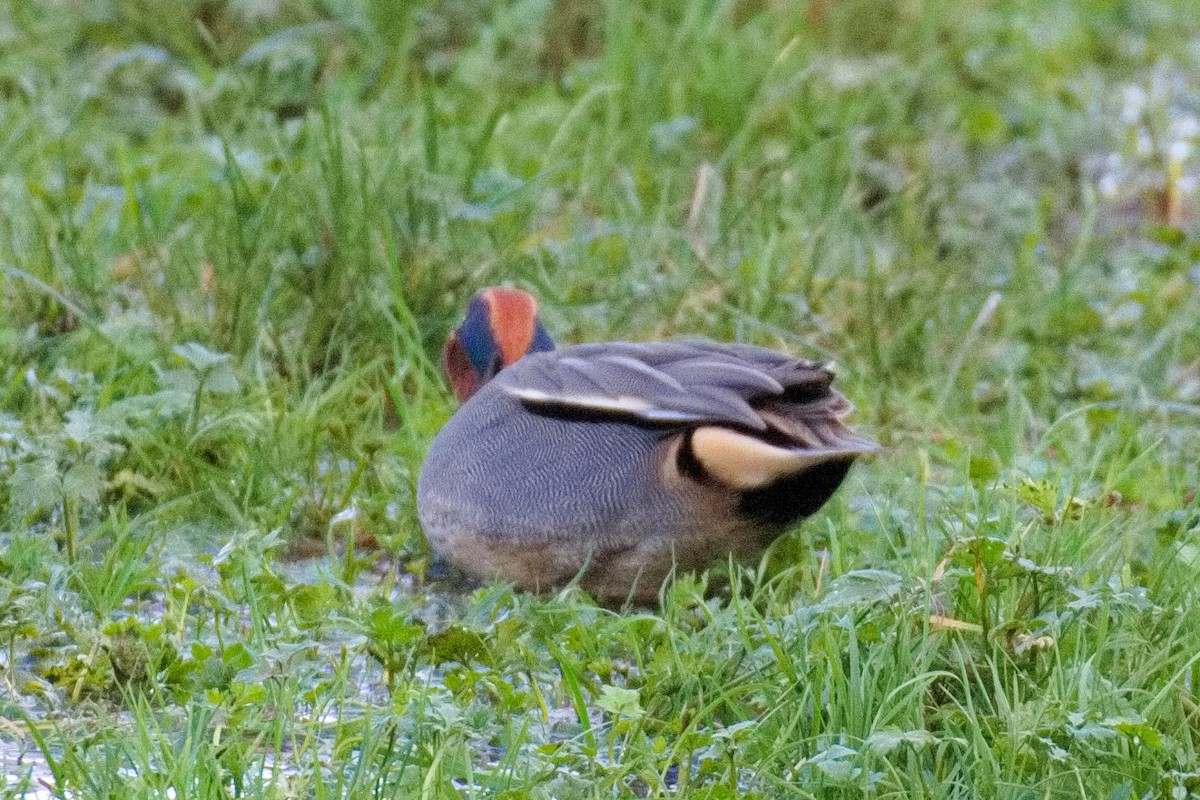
(687, 382)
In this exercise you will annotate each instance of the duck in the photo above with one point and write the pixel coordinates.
(619, 464)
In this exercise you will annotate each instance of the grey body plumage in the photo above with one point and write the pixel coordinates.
(630, 460)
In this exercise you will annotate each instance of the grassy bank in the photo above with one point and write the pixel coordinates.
(233, 236)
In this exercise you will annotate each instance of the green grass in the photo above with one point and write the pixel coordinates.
(233, 236)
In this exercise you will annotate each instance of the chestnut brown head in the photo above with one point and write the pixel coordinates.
(500, 327)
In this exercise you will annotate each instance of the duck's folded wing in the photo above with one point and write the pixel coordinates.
(658, 383)
(691, 383)
(754, 415)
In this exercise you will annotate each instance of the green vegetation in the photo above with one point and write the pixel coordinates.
(233, 234)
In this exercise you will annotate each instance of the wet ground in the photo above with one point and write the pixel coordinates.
(1154, 178)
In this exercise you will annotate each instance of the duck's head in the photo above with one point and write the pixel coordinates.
(501, 326)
